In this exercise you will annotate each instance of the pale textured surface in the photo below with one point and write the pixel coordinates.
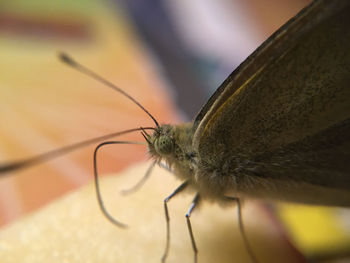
(73, 229)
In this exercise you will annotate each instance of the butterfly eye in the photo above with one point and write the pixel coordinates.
(164, 145)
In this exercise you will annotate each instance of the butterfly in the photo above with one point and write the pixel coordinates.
(278, 128)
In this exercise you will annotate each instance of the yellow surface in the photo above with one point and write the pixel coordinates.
(73, 229)
(318, 231)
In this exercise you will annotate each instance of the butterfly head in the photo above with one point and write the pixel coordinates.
(161, 143)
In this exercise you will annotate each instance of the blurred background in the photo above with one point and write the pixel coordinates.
(169, 55)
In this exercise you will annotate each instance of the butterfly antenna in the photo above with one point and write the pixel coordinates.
(71, 62)
(17, 165)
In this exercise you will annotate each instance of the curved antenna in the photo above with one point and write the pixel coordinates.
(71, 62)
(97, 184)
(16, 165)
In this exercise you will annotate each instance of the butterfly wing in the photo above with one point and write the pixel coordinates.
(284, 114)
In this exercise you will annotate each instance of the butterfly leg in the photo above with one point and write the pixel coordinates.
(242, 230)
(140, 183)
(166, 200)
(193, 205)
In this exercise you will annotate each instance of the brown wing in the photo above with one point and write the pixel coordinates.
(269, 49)
(285, 113)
